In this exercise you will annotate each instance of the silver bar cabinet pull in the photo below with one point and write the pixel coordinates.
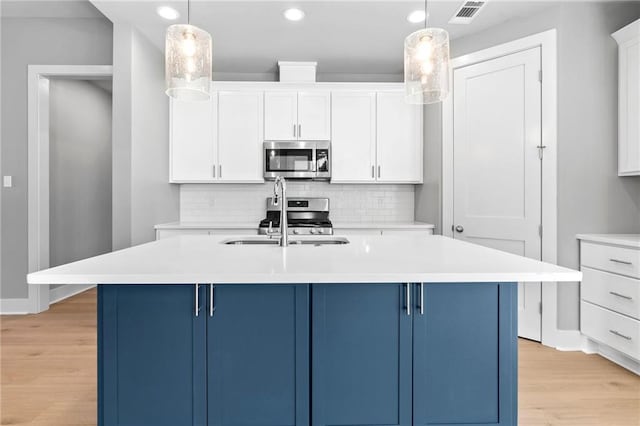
(197, 307)
(613, 293)
(373, 172)
(617, 333)
(212, 306)
(408, 299)
(622, 262)
(220, 171)
(379, 171)
(299, 130)
(294, 130)
(421, 298)
(214, 170)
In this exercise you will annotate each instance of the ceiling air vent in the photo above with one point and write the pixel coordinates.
(467, 12)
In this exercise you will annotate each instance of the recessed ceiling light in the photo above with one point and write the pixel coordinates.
(168, 13)
(416, 16)
(294, 14)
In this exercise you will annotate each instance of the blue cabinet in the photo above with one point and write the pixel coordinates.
(453, 360)
(258, 356)
(361, 355)
(465, 355)
(245, 363)
(295, 355)
(151, 356)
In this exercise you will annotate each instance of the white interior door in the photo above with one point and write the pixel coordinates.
(353, 136)
(280, 116)
(240, 128)
(314, 116)
(497, 169)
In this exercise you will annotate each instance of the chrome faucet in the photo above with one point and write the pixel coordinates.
(282, 184)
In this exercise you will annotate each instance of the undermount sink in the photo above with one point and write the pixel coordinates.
(314, 241)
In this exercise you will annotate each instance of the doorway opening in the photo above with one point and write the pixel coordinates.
(70, 171)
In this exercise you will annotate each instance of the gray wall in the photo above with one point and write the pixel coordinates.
(121, 133)
(428, 203)
(142, 194)
(80, 171)
(591, 197)
(41, 42)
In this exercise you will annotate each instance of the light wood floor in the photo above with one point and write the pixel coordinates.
(49, 376)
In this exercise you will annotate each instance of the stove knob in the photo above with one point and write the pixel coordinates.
(295, 231)
(312, 231)
(320, 231)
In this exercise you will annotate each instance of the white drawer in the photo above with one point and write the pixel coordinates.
(615, 292)
(614, 330)
(620, 260)
(168, 233)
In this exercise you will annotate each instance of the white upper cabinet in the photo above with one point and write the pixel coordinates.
(375, 136)
(314, 116)
(399, 139)
(353, 137)
(240, 136)
(628, 39)
(281, 116)
(193, 140)
(297, 115)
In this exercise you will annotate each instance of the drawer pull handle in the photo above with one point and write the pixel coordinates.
(622, 262)
(617, 333)
(613, 293)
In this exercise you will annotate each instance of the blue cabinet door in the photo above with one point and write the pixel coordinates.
(361, 363)
(258, 356)
(465, 355)
(151, 356)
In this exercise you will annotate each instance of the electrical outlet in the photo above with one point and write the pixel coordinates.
(7, 181)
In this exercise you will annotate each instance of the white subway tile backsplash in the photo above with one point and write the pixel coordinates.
(246, 203)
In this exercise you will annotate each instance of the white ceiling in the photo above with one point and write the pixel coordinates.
(344, 36)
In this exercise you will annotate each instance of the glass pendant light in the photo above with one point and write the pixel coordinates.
(188, 68)
(426, 64)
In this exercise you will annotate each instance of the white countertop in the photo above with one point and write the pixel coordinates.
(625, 240)
(254, 225)
(207, 225)
(382, 225)
(370, 259)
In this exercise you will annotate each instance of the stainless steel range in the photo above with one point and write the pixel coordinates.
(306, 216)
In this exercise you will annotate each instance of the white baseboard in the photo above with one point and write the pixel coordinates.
(568, 340)
(58, 294)
(15, 306)
(593, 347)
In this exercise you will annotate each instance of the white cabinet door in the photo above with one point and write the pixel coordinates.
(280, 116)
(628, 39)
(193, 140)
(240, 127)
(353, 136)
(399, 135)
(314, 116)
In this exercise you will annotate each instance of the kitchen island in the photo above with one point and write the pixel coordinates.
(395, 330)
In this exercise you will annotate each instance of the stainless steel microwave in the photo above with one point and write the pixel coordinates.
(297, 159)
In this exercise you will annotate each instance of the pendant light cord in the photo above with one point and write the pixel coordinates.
(189, 12)
(426, 14)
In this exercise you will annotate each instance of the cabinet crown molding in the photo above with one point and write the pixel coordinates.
(627, 33)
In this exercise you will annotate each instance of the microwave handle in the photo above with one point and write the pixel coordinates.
(314, 161)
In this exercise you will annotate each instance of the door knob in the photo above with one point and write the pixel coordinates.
(459, 228)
